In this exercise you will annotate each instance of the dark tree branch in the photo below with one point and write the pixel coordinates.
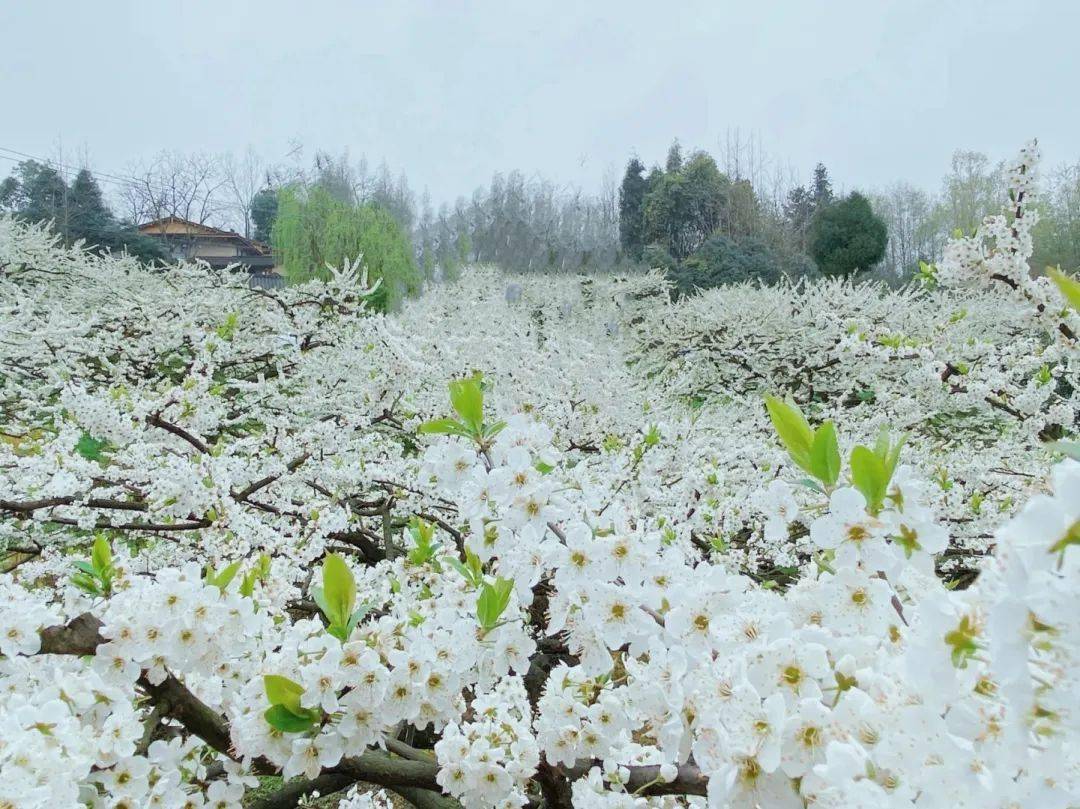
(28, 506)
(263, 482)
(79, 636)
(82, 636)
(290, 794)
(156, 420)
(688, 781)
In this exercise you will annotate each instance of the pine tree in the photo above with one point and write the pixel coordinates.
(87, 214)
(41, 195)
(38, 193)
(632, 209)
(821, 188)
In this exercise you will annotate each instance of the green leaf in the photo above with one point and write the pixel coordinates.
(221, 580)
(281, 718)
(492, 430)
(825, 455)
(492, 602)
(793, 429)
(459, 567)
(444, 427)
(90, 447)
(869, 476)
(467, 399)
(284, 692)
(892, 457)
(475, 565)
(101, 556)
(339, 589)
(86, 583)
(85, 567)
(423, 535)
(472, 570)
(320, 601)
(227, 329)
(881, 443)
(356, 618)
(1069, 287)
(247, 584)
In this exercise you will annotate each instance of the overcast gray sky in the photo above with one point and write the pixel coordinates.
(453, 91)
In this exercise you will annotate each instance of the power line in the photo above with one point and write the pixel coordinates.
(163, 192)
(101, 175)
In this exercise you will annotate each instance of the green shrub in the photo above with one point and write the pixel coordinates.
(725, 261)
(847, 237)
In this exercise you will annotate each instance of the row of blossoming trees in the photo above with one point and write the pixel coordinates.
(795, 546)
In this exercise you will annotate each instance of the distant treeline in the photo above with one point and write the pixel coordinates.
(708, 219)
(38, 192)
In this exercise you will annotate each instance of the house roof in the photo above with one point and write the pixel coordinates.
(176, 226)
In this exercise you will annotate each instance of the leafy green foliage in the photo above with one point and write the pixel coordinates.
(314, 229)
(283, 691)
(794, 430)
(492, 602)
(285, 712)
(927, 275)
(656, 257)
(36, 192)
(1069, 287)
(847, 236)
(825, 455)
(868, 475)
(227, 329)
(258, 572)
(96, 576)
(467, 399)
(691, 201)
(723, 260)
(813, 451)
(89, 447)
(472, 570)
(281, 718)
(337, 598)
(222, 578)
(264, 207)
(424, 544)
(872, 469)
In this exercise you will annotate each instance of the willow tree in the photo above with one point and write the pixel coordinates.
(313, 229)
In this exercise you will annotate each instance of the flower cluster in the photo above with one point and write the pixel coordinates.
(490, 759)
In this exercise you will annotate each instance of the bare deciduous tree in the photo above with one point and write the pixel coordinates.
(244, 178)
(187, 186)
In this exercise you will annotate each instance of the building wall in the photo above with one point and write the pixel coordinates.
(217, 248)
